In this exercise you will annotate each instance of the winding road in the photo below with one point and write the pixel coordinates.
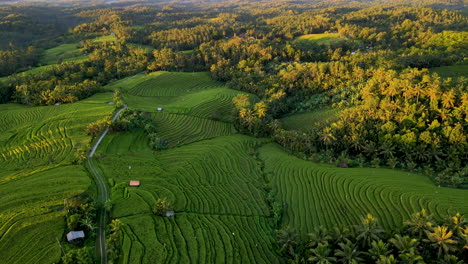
(103, 195)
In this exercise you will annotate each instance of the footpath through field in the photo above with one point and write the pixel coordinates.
(103, 195)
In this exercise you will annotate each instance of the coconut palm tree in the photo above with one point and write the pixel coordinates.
(288, 241)
(386, 260)
(319, 236)
(368, 231)
(457, 224)
(450, 259)
(404, 244)
(419, 223)
(378, 248)
(321, 254)
(88, 223)
(411, 257)
(348, 253)
(441, 238)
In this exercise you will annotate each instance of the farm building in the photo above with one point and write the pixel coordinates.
(75, 236)
(134, 183)
(170, 213)
(160, 109)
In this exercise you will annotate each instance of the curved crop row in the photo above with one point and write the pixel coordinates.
(183, 129)
(321, 195)
(173, 84)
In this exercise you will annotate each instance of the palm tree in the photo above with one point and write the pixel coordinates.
(450, 259)
(404, 244)
(378, 248)
(340, 233)
(321, 254)
(419, 223)
(288, 240)
(457, 224)
(411, 257)
(441, 239)
(88, 223)
(319, 236)
(369, 231)
(386, 260)
(348, 253)
(448, 99)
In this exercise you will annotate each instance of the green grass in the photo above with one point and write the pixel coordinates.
(321, 39)
(37, 146)
(64, 52)
(308, 120)
(108, 38)
(323, 195)
(454, 71)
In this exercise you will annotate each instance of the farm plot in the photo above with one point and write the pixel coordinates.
(216, 190)
(174, 84)
(37, 146)
(316, 194)
(35, 136)
(306, 121)
(30, 211)
(179, 129)
(61, 53)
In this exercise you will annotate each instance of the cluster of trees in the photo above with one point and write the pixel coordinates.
(184, 38)
(161, 206)
(410, 119)
(69, 81)
(81, 214)
(14, 59)
(133, 120)
(114, 240)
(421, 240)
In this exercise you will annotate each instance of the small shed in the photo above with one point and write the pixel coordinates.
(159, 109)
(134, 183)
(170, 213)
(110, 103)
(75, 236)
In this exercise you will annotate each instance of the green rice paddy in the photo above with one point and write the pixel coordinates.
(64, 52)
(37, 148)
(321, 39)
(453, 71)
(308, 120)
(216, 178)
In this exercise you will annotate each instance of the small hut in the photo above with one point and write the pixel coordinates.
(170, 213)
(75, 236)
(160, 109)
(134, 183)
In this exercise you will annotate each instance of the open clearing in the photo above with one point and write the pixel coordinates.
(308, 120)
(64, 52)
(321, 39)
(454, 71)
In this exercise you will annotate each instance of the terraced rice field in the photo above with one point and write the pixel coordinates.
(183, 129)
(308, 120)
(216, 180)
(216, 188)
(323, 195)
(64, 52)
(454, 71)
(37, 146)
